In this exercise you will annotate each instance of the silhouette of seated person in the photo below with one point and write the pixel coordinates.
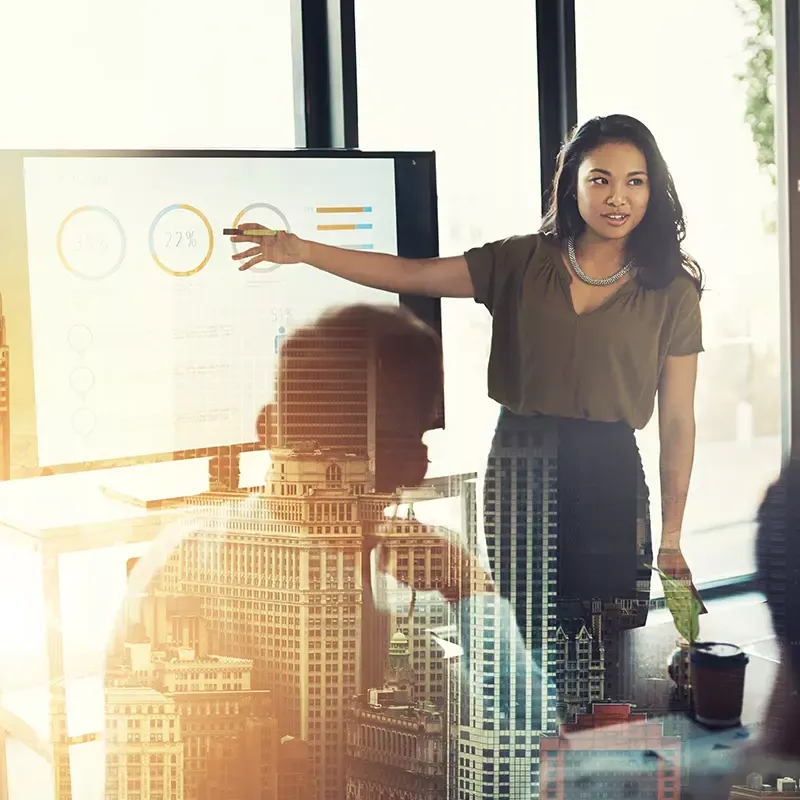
(773, 753)
(776, 753)
(368, 379)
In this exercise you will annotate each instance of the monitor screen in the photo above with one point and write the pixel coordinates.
(144, 337)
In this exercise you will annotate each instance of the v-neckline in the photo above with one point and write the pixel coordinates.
(569, 278)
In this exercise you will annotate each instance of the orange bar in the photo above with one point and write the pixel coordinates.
(359, 226)
(343, 209)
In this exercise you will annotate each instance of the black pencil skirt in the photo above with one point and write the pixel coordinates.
(567, 523)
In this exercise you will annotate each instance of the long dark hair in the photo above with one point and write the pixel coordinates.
(655, 243)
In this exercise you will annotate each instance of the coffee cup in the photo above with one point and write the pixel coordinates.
(717, 674)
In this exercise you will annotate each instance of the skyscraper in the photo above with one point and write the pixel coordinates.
(612, 752)
(5, 408)
(417, 554)
(502, 701)
(283, 574)
(279, 577)
(325, 382)
(395, 743)
(220, 723)
(580, 662)
(144, 751)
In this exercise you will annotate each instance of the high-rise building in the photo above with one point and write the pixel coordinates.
(364, 380)
(580, 663)
(3, 767)
(62, 773)
(144, 749)
(614, 626)
(395, 744)
(229, 732)
(605, 753)
(595, 659)
(282, 575)
(502, 699)
(295, 770)
(225, 723)
(418, 555)
(242, 763)
(5, 407)
(325, 381)
(279, 575)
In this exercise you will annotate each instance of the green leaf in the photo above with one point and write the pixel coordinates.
(682, 604)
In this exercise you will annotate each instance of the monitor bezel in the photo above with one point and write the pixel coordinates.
(417, 237)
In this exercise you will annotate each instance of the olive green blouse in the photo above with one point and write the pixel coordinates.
(602, 365)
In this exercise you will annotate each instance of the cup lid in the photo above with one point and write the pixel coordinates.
(718, 654)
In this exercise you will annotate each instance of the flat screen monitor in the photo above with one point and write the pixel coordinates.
(131, 333)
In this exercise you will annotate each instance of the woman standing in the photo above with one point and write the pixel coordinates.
(594, 317)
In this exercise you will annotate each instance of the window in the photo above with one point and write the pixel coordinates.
(143, 75)
(480, 115)
(730, 207)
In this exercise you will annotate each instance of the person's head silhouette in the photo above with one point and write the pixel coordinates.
(778, 560)
(367, 378)
(778, 574)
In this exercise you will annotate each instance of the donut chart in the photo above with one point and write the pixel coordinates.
(269, 216)
(91, 243)
(178, 245)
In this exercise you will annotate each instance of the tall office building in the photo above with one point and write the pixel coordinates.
(225, 723)
(395, 743)
(417, 554)
(3, 767)
(229, 733)
(279, 577)
(325, 381)
(361, 380)
(501, 701)
(62, 773)
(605, 754)
(5, 407)
(282, 575)
(580, 662)
(144, 750)
(295, 770)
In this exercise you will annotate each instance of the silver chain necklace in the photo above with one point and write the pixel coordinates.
(573, 262)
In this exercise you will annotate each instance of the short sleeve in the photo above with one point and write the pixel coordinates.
(491, 264)
(687, 335)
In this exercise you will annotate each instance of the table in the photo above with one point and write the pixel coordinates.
(60, 514)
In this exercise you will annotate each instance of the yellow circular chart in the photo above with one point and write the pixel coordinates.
(181, 240)
(91, 243)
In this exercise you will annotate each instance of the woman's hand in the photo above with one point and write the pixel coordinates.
(671, 562)
(281, 248)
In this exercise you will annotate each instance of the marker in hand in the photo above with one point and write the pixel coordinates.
(250, 232)
(269, 246)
